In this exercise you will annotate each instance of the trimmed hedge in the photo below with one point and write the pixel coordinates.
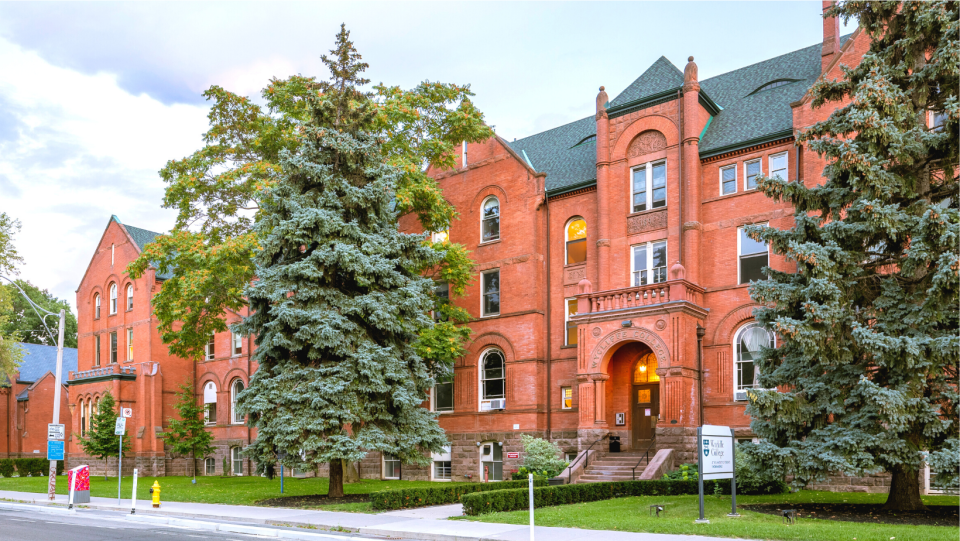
(516, 499)
(35, 467)
(6, 467)
(443, 494)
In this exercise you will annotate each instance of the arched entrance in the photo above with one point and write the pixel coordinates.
(645, 399)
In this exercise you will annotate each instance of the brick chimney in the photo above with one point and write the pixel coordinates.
(831, 38)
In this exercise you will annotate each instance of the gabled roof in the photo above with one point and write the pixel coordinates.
(661, 76)
(142, 237)
(567, 154)
(38, 360)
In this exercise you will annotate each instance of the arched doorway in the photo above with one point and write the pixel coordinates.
(645, 400)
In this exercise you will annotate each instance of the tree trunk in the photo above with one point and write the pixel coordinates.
(351, 474)
(193, 458)
(904, 490)
(105, 460)
(336, 479)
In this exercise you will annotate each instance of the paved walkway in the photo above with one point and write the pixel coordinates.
(426, 523)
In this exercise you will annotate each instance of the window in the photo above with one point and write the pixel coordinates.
(210, 466)
(391, 466)
(235, 391)
(96, 352)
(753, 257)
(113, 299)
(490, 227)
(442, 396)
(650, 186)
(210, 403)
(492, 377)
(237, 461)
(749, 341)
(728, 180)
(778, 166)
(646, 370)
(442, 291)
(129, 297)
(464, 153)
(649, 263)
(237, 340)
(491, 293)
(209, 348)
(937, 118)
(96, 306)
(83, 420)
(442, 465)
(571, 334)
(566, 398)
(491, 461)
(752, 172)
(129, 345)
(113, 347)
(576, 241)
(440, 236)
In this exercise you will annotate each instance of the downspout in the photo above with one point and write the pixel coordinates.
(680, 171)
(546, 204)
(701, 331)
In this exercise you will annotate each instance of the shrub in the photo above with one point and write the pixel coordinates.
(6, 467)
(23, 468)
(439, 495)
(60, 467)
(751, 479)
(685, 472)
(541, 457)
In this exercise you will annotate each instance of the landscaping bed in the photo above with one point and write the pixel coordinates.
(935, 515)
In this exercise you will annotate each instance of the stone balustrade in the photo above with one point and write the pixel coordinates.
(589, 302)
(110, 370)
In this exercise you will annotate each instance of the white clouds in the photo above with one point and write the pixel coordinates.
(75, 149)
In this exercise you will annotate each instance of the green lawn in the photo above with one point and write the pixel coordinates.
(632, 515)
(228, 490)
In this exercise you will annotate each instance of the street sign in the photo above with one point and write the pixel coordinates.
(126, 412)
(55, 450)
(121, 427)
(716, 446)
(55, 432)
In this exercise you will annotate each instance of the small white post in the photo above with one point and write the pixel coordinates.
(119, 470)
(133, 498)
(72, 483)
(530, 477)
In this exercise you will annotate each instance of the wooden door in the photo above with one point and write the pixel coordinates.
(646, 409)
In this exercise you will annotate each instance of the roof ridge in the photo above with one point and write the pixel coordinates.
(771, 58)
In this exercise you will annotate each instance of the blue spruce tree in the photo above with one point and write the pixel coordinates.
(338, 300)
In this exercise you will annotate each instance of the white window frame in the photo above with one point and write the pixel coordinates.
(632, 280)
(566, 240)
(563, 398)
(649, 185)
(113, 298)
(113, 253)
(736, 356)
(433, 396)
(236, 344)
(445, 456)
(464, 153)
(210, 348)
(234, 461)
(440, 236)
(383, 466)
(481, 379)
(209, 466)
(483, 204)
(493, 445)
(96, 306)
(725, 168)
(129, 344)
(786, 164)
(209, 397)
(96, 353)
(483, 293)
(566, 321)
(129, 297)
(235, 417)
(739, 254)
(114, 348)
(746, 169)
(83, 419)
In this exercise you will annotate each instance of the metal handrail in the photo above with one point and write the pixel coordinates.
(646, 456)
(586, 457)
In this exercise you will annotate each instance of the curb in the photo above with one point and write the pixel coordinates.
(236, 528)
(42, 508)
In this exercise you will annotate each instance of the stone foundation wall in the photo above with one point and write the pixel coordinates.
(146, 466)
(683, 441)
(879, 483)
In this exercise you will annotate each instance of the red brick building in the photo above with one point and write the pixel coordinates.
(611, 290)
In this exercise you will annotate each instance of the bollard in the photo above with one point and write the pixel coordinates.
(133, 499)
(530, 479)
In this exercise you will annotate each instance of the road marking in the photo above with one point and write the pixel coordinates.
(20, 519)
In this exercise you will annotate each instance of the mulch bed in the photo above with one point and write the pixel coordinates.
(315, 500)
(935, 515)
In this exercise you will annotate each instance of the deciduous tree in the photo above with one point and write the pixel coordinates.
(10, 353)
(23, 323)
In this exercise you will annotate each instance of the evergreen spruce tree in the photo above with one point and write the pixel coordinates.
(189, 434)
(867, 353)
(100, 440)
(338, 300)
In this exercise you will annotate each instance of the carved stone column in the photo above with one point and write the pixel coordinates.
(600, 394)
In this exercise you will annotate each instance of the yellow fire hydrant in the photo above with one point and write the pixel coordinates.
(155, 491)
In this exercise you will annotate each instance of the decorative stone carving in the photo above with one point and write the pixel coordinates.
(690, 71)
(646, 143)
(603, 242)
(574, 275)
(647, 222)
(633, 334)
(596, 331)
(661, 324)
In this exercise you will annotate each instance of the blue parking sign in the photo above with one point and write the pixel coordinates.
(54, 450)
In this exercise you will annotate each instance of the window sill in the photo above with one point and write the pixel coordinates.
(486, 316)
(442, 480)
(488, 242)
(648, 211)
(391, 478)
(572, 265)
(444, 412)
(569, 346)
(129, 310)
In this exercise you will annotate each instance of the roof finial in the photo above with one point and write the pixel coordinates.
(602, 100)
(690, 72)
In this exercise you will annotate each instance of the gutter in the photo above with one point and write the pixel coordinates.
(572, 188)
(745, 144)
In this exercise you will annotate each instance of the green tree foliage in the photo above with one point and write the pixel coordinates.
(22, 321)
(542, 457)
(188, 433)
(10, 353)
(100, 441)
(339, 299)
(219, 192)
(867, 360)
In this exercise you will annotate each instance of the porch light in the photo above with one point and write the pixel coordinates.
(643, 368)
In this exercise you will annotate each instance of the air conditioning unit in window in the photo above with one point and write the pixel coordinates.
(498, 404)
(740, 396)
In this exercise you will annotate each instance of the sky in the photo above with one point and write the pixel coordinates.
(96, 97)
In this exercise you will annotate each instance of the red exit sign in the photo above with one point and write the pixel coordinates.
(513, 455)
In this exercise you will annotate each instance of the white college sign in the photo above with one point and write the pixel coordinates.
(716, 452)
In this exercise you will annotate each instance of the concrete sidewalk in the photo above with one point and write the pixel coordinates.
(428, 523)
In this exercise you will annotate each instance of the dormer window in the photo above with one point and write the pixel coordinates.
(774, 84)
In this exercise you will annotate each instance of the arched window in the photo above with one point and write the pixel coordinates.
(646, 370)
(236, 460)
(576, 241)
(210, 466)
(747, 345)
(490, 228)
(129, 297)
(492, 379)
(83, 420)
(96, 306)
(113, 299)
(235, 391)
(210, 403)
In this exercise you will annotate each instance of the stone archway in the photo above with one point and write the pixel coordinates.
(600, 356)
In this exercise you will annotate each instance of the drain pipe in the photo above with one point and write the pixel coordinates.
(680, 172)
(700, 334)
(546, 203)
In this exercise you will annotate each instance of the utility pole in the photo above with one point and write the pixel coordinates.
(52, 484)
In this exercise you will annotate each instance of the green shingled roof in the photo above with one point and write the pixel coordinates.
(747, 117)
(142, 237)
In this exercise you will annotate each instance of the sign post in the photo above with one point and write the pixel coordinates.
(119, 430)
(715, 459)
